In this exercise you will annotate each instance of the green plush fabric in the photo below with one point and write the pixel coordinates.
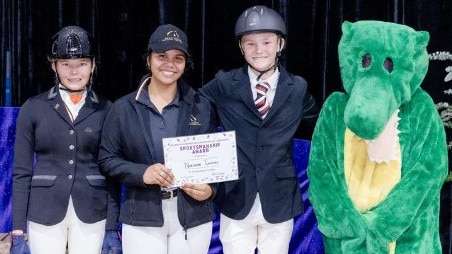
(409, 215)
(375, 93)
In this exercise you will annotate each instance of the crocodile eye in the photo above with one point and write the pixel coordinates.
(366, 61)
(388, 64)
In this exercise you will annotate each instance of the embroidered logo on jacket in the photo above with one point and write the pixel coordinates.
(193, 121)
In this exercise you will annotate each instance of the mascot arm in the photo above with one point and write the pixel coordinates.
(337, 216)
(424, 168)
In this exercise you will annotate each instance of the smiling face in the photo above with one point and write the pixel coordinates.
(74, 73)
(167, 67)
(260, 50)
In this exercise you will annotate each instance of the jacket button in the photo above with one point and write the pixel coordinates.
(71, 162)
(69, 177)
(71, 132)
(71, 147)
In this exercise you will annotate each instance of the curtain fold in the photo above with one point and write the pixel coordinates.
(122, 29)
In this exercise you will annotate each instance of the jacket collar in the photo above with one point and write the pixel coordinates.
(183, 89)
(241, 84)
(91, 95)
(57, 104)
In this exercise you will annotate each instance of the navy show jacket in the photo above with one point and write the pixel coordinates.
(56, 158)
(265, 146)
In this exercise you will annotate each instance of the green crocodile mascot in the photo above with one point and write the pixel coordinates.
(378, 154)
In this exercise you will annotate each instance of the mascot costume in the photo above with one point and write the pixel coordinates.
(378, 154)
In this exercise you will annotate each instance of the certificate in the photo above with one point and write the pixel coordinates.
(205, 158)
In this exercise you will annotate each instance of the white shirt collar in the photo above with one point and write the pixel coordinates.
(272, 80)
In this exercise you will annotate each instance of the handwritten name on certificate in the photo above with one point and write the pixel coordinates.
(205, 158)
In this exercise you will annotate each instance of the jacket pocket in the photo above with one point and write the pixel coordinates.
(43, 180)
(285, 172)
(96, 180)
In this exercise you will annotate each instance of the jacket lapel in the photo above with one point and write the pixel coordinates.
(91, 103)
(186, 108)
(144, 122)
(243, 89)
(283, 90)
(58, 105)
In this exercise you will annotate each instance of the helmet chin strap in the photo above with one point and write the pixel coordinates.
(71, 90)
(64, 88)
(261, 73)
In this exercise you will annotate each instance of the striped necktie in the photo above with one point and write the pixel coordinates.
(261, 101)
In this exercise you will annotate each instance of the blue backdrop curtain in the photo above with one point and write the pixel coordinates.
(122, 29)
(306, 239)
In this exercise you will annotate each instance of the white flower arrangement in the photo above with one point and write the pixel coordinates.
(443, 56)
(444, 108)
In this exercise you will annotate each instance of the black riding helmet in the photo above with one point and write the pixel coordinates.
(71, 42)
(259, 18)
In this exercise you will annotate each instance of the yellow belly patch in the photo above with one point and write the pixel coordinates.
(368, 182)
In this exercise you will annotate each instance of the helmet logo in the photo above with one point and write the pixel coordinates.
(73, 45)
(172, 36)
